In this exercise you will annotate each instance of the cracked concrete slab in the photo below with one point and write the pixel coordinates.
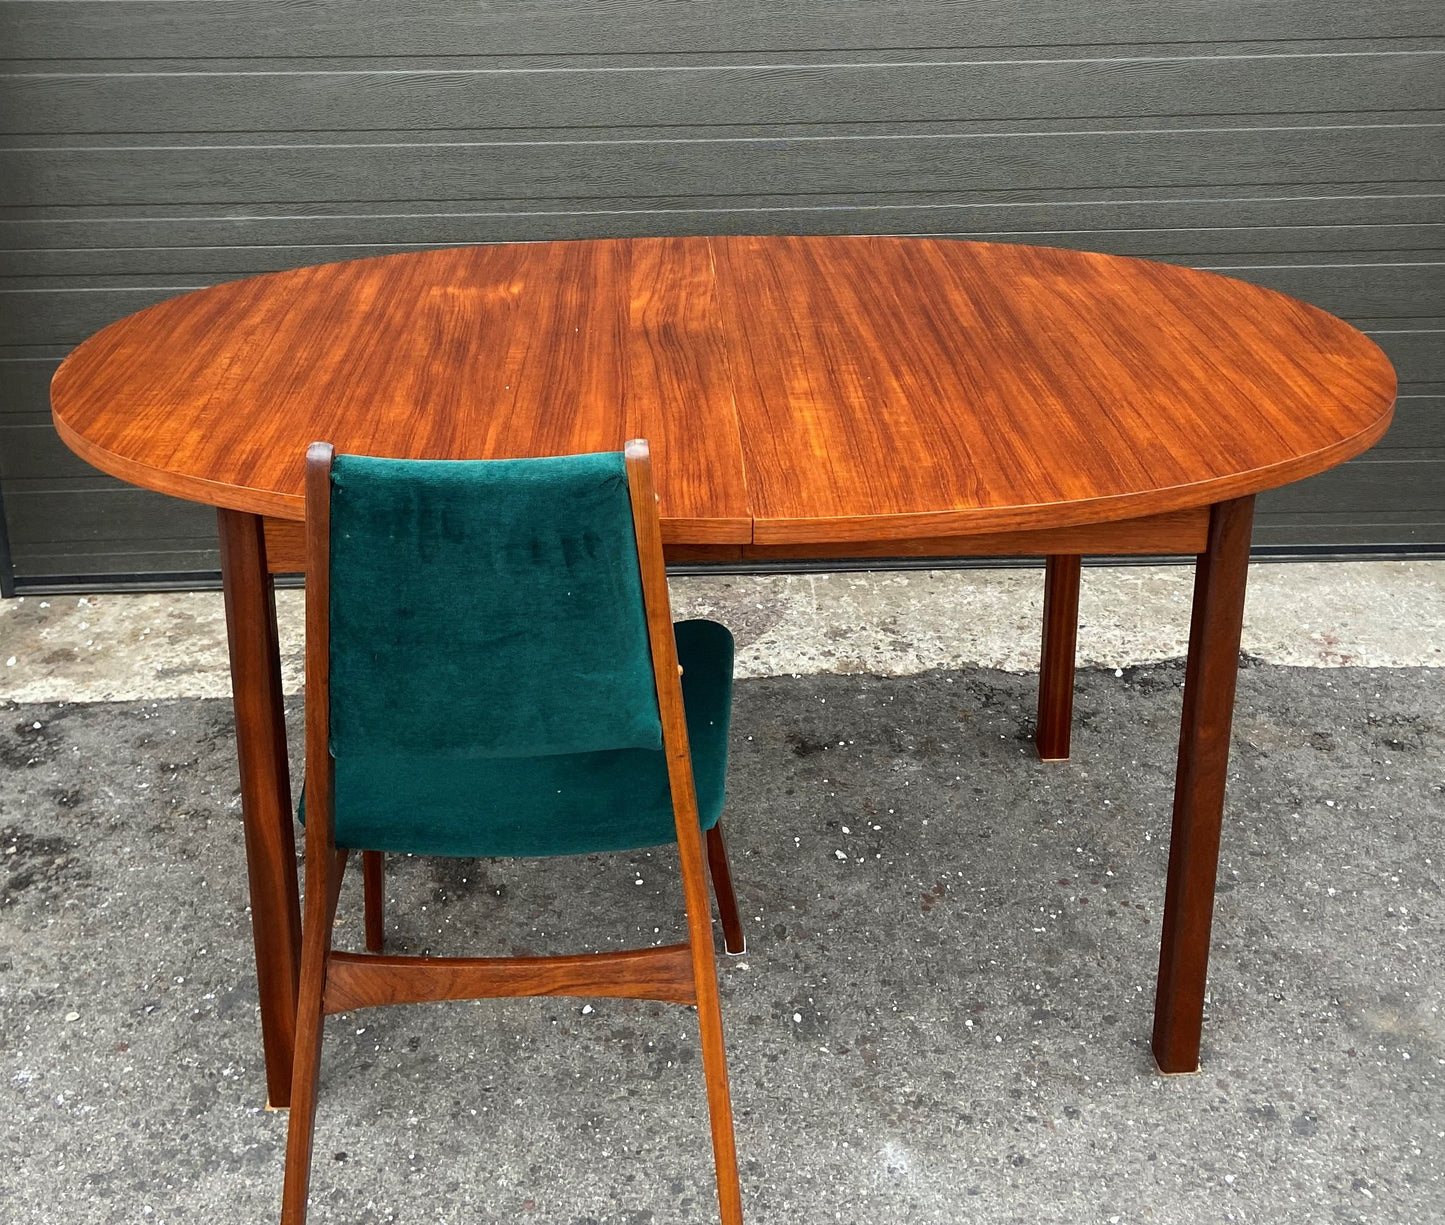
(1374, 614)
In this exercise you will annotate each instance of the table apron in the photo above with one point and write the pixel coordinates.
(1181, 532)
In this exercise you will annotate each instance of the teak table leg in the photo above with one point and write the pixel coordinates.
(1209, 679)
(265, 790)
(1056, 667)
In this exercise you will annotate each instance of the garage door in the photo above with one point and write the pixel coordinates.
(150, 147)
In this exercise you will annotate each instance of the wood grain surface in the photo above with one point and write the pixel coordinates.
(365, 980)
(265, 790)
(477, 352)
(794, 390)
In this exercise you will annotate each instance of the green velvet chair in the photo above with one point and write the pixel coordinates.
(492, 669)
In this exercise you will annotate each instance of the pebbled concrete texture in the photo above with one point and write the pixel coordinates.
(1377, 614)
(942, 1017)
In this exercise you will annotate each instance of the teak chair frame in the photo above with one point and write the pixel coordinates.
(333, 981)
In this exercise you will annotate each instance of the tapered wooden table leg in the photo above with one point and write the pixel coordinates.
(1056, 667)
(1209, 680)
(265, 790)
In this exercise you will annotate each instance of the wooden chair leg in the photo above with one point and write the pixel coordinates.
(373, 889)
(321, 891)
(662, 638)
(709, 1021)
(719, 1104)
(734, 939)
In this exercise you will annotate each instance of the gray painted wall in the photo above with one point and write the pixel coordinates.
(149, 147)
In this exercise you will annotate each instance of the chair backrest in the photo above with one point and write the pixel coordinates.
(486, 608)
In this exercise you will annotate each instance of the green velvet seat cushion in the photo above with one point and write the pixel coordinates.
(555, 804)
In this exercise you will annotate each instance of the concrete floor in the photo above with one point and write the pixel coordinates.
(943, 1014)
(1375, 614)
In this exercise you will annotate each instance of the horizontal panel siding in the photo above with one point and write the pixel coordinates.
(296, 99)
(43, 316)
(1355, 290)
(25, 389)
(1385, 484)
(51, 29)
(127, 514)
(245, 246)
(576, 168)
(1347, 535)
(1258, 217)
(1418, 429)
(148, 147)
(1418, 356)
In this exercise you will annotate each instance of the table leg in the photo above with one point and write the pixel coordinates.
(1056, 666)
(1209, 679)
(265, 790)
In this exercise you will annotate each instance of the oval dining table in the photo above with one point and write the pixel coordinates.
(805, 398)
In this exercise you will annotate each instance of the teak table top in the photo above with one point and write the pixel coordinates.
(793, 389)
